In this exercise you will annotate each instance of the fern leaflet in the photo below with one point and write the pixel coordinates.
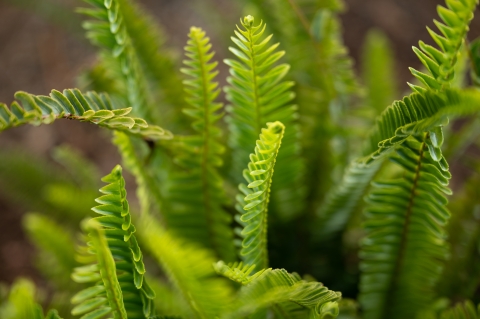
(74, 105)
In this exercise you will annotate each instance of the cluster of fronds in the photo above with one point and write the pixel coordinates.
(217, 264)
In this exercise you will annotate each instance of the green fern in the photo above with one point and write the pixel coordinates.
(105, 297)
(258, 95)
(253, 206)
(411, 109)
(124, 284)
(74, 105)
(198, 214)
(405, 245)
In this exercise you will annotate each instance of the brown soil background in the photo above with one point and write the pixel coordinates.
(40, 50)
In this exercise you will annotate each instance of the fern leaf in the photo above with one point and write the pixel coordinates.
(196, 194)
(286, 294)
(253, 206)
(404, 249)
(105, 297)
(189, 267)
(258, 95)
(109, 32)
(72, 104)
(453, 28)
(128, 265)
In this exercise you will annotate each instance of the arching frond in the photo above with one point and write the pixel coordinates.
(109, 32)
(127, 259)
(196, 196)
(258, 95)
(253, 202)
(190, 269)
(72, 104)
(287, 295)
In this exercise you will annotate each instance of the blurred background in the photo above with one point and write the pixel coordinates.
(42, 47)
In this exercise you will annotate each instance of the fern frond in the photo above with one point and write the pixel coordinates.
(190, 269)
(72, 104)
(253, 206)
(286, 294)
(196, 193)
(405, 246)
(258, 95)
(441, 63)
(413, 115)
(128, 265)
(109, 32)
(105, 297)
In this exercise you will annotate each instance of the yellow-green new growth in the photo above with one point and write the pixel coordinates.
(116, 224)
(253, 206)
